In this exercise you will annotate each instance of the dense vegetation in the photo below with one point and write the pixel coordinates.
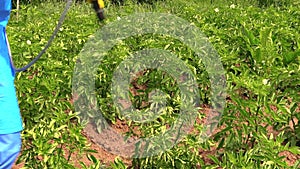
(259, 45)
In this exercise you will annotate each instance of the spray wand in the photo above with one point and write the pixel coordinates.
(98, 5)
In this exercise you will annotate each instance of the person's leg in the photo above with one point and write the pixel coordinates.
(10, 147)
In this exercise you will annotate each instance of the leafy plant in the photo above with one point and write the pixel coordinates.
(259, 48)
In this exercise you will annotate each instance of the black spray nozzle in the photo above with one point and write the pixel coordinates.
(99, 11)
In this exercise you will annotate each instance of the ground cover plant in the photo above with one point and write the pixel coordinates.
(258, 42)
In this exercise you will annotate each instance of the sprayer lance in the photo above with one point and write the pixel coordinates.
(98, 6)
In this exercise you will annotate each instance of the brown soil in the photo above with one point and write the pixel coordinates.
(106, 157)
(121, 127)
(289, 157)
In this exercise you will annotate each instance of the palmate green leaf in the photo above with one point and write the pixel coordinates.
(221, 144)
(118, 164)
(291, 56)
(231, 158)
(265, 36)
(251, 39)
(294, 150)
(297, 164)
(215, 159)
(258, 55)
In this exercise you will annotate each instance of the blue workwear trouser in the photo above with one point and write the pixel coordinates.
(10, 146)
(10, 118)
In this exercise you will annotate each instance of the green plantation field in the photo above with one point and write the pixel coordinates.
(259, 46)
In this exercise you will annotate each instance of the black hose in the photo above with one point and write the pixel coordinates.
(60, 22)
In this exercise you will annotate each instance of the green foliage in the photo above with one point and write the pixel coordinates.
(52, 135)
(267, 3)
(260, 51)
